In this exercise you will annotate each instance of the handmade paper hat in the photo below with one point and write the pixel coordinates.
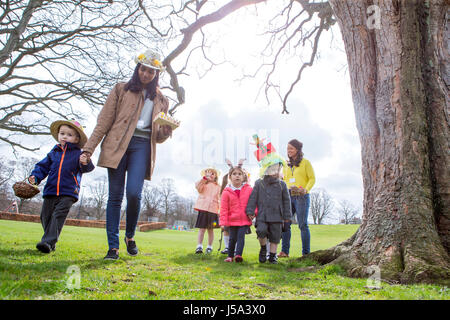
(54, 129)
(266, 155)
(151, 59)
(203, 172)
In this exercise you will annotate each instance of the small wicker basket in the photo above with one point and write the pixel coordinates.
(25, 190)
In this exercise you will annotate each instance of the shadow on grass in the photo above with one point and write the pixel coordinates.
(28, 272)
(215, 264)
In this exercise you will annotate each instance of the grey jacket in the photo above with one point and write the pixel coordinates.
(271, 197)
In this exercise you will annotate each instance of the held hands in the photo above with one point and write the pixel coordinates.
(85, 157)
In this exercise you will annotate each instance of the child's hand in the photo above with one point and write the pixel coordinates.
(251, 217)
(32, 179)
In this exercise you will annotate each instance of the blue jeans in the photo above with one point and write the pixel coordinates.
(134, 164)
(300, 205)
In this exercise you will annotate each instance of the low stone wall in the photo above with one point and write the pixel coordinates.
(142, 225)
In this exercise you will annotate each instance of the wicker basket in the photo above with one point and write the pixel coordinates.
(25, 190)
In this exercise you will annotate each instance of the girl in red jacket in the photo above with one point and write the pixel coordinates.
(232, 211)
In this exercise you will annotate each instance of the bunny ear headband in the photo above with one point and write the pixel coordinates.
(241, 161)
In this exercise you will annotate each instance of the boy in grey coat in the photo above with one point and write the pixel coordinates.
(271, 196)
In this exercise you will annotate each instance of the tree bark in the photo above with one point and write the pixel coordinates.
(399, 78)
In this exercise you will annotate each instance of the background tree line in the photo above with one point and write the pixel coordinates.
(160, 202)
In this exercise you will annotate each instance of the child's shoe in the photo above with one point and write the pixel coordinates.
(224, 251)
(273, 258)
(229, 259)
(199, 250)
(44, 247)
(208, 250)
(263, 254)
(238, 258)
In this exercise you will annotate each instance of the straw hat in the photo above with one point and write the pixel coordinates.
(203, 172)
(151, 59)
(54, 129)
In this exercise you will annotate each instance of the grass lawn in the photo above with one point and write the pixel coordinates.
(167, 269)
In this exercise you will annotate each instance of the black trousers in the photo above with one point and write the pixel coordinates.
(53, 215)
(237, 240)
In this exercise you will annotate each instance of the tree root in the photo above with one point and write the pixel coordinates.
(391, 265)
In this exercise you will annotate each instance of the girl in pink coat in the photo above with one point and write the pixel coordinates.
(232, 211)
(207, 206)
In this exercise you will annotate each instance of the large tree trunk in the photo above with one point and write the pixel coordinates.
(399, 78)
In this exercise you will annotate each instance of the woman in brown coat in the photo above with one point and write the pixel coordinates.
(125, 124)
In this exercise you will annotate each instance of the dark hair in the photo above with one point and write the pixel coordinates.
(135, 85)
(295, 162)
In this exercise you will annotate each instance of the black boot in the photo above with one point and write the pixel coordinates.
(263, 254)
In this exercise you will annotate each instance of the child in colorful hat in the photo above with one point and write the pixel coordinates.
(64, 167)
(207, 205)
(270, 196)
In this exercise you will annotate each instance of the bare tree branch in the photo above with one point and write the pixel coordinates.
(57, 53)
(188, 34)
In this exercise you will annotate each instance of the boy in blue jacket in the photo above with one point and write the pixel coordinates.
(64, 168)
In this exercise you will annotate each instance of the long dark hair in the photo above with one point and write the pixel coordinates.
(295, 162)
(135, 84)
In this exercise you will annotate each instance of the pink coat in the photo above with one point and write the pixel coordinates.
(232, 207)
(209, 196)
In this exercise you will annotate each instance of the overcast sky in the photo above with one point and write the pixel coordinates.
(221, 115)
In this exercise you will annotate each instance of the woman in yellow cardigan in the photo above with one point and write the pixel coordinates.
(299, 177)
